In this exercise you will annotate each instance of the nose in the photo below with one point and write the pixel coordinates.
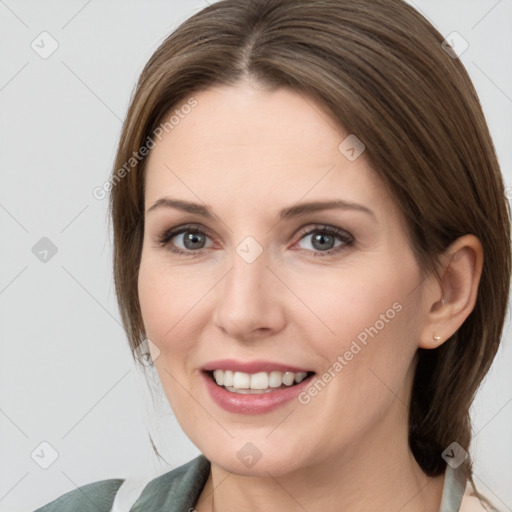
(250, 300)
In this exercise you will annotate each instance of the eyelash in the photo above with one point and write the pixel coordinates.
(346, 238)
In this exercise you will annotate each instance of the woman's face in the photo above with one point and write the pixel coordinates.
(274, 289)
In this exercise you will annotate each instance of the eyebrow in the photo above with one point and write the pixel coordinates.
(286, 213)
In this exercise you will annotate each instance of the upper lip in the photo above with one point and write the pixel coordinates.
(251, 366)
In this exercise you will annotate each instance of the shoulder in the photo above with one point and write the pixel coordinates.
(175, 490)
(472, 503)
(170, 491)
(93, 497)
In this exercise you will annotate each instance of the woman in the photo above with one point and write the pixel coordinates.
(311, 238)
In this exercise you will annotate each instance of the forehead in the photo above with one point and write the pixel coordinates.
(245, 142)
(248, 116)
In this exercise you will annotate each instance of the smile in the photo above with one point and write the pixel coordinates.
(256, 383)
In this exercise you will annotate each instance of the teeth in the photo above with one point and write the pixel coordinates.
(288, 378)
(275, 379)
(258, 380)
(218, 375)
(228, 377)
(241, 380)
(244, 382)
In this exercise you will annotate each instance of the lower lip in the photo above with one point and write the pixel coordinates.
(252, 403)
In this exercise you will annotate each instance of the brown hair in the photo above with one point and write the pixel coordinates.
(379, 69)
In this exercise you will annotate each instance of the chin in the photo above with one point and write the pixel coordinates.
(246, 458)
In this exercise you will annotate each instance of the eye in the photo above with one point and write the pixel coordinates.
(323, 239)
(189, 240)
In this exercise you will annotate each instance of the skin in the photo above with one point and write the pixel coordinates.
(247, 152)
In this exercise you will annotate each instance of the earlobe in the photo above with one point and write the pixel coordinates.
(458, 286)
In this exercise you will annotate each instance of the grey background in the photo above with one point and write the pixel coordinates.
(66, 375)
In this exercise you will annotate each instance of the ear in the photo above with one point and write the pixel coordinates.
(451, 299)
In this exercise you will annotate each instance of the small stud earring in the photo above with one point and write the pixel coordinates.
(443, 302)
(436, 338)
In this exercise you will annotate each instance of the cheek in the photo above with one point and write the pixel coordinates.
(168, 300)
(149, 290)
(367, 364)
(166, 311)
(367, 334)
(360, 303)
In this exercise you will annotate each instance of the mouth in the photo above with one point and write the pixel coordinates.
(256, 383)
